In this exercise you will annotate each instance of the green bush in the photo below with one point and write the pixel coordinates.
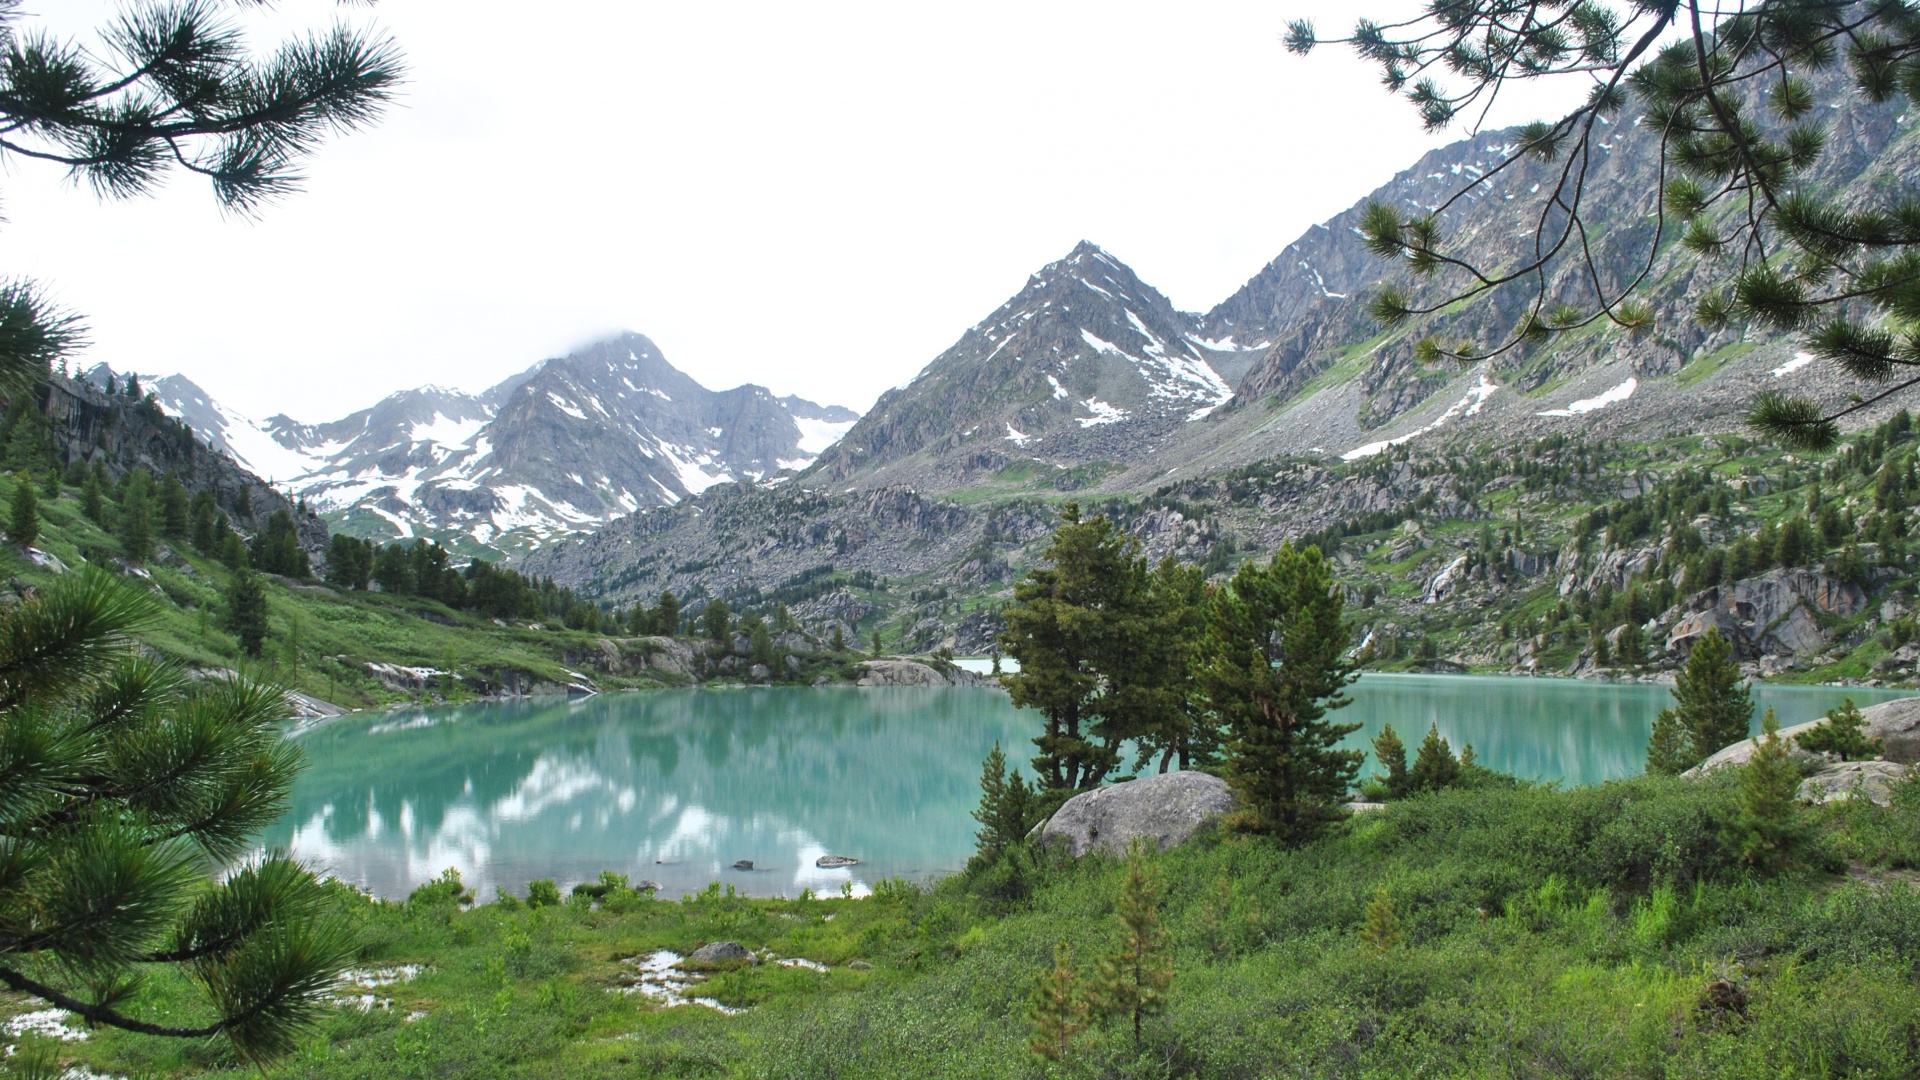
(543, 893)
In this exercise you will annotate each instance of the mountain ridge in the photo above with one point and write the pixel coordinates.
(567, 444)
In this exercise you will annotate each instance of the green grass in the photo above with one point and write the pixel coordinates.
(1700, 369)
(1544, 934)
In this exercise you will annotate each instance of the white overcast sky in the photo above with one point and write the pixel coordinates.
(815, 197)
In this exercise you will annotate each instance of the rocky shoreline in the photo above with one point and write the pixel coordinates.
(668, 661)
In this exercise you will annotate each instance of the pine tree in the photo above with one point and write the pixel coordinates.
(1391, 753)
(1734, 98)
(136, 518)
(206, 525)
(277, 550)
(1670, 749)
(1767, 826)
(23, 523)
(1711, 705)
(666, 615)
(50, 480)
(1164, 675)
(717, 620)
(1057, 1008)
(125, 782)
(1006, 809)
(28, 443)
(1434, 766)
(247, 612)
(175, 513)
(93, 499)
(233, 551)
(1381, 930)
(760, 644)
(1133, 980)
(1842, 734)
(1084, 629)
(1277, 666)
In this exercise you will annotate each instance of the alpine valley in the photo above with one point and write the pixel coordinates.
(1527, 512)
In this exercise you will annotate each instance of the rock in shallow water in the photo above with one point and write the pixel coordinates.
(1165, 809)
(720, 954)
(743, 864)
(835, 862)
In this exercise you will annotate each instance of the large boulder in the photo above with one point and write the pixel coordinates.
(1895, 723)
(1871, 780)
(1165, 809)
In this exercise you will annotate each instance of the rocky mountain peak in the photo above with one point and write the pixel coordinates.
(1086, 363)
(564, 446)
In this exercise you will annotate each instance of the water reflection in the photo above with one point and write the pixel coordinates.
(675, 786)
(1552, 729)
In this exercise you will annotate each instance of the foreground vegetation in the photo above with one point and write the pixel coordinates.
(1607, 931)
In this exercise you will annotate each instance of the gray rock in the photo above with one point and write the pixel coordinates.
(743, 864)
(720, 954)
(835, 862)
(1691, 628)
(893, 671)
(1895, 723)
(1166, 809)
(1441, 585)
(1871, 780)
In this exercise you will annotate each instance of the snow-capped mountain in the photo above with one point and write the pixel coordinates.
(564, 446)
(1086, 363)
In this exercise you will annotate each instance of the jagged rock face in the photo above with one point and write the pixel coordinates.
(1308, 306)
(1085, 364)
(562, 447)
(1771, 614)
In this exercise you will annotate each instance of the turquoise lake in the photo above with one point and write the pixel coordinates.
(675, 786)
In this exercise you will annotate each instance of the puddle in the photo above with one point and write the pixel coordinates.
(354, 988)
(802, 962)
(657, 977)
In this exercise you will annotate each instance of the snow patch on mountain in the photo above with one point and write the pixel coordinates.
(1600, 401)
(1799, 361)
(817, 435)
(1475, 400)
(1103, 413)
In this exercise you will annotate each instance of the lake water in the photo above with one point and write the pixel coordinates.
(675, 786)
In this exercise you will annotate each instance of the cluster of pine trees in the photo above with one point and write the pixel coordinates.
(1240, 675)
(425, 569)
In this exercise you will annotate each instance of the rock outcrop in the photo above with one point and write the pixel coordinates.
(1872, 780)
(1895, 723)
(893, 671)
(1165, 809)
